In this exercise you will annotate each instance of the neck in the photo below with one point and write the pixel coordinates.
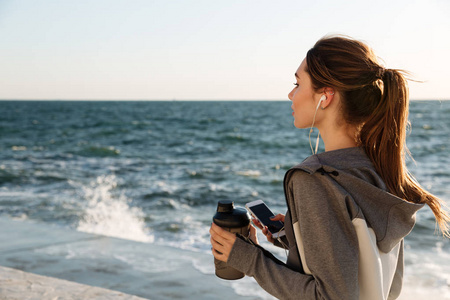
(335, 138)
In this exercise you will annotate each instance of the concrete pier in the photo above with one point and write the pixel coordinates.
(41, 261)
(19, 285)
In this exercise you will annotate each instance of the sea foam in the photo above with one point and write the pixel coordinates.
(110, 215)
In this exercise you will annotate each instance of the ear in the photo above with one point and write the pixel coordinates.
(329, 93)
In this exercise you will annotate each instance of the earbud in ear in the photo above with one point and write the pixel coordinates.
(323, 98)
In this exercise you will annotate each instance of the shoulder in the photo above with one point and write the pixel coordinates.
(320, 183)
(310, 173)
(315, 187)
(352, 161)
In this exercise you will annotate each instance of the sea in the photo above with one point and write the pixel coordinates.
(153, 171)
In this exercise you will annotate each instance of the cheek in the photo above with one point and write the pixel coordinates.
(300, 101)
(303, 111)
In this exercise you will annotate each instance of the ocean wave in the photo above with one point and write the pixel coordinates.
(427, 274)
(7, 176)
(209, 121)
(110, 215)
(99, 151)
(237, 138)
(249, 173)
(19, 148)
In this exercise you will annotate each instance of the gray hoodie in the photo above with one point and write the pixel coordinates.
(343, 229)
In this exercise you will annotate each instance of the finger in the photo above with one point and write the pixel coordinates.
(216, 238)
(253, 231)
(219, 256)
(221, 232)
(221, 240)
(253, 234)
(269, 237)
(216, 253)
(264, 230)
(268, 234)
(279, 217)
(276, 217)
(221, 246)
(257, 223)
(219, 251)
(216, 245)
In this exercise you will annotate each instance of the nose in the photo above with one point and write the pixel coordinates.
(291, 94)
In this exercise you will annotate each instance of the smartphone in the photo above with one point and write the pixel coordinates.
(259, 210)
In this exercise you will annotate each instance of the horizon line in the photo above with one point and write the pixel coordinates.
(176, 100)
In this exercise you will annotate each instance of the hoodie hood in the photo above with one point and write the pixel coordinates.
(390, 217)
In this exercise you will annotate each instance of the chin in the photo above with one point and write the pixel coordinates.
(300, 125)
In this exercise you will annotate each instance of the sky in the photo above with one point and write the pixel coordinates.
(206, 50)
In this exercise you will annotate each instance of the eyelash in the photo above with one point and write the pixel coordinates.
(296, 84)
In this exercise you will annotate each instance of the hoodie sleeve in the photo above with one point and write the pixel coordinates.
(330, 247)
(271, 274)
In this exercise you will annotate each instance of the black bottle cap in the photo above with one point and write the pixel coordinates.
(225, 206)
(229, 216)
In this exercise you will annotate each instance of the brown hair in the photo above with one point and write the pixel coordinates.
(375, 100)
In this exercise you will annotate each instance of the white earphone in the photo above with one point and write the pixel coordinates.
(323, 98)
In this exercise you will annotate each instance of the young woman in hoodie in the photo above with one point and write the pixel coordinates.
(350, 207)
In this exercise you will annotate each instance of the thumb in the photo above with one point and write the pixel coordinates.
(278, 217)
(253, 234)
(252, 230)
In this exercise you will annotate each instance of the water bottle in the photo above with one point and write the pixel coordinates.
(235, 220)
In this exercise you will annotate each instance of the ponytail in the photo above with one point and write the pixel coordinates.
(376, 100)
(383, 133)
(383, 136)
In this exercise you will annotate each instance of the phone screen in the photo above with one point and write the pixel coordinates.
(263, 213)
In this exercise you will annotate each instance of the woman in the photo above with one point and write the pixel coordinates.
(350, 207)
